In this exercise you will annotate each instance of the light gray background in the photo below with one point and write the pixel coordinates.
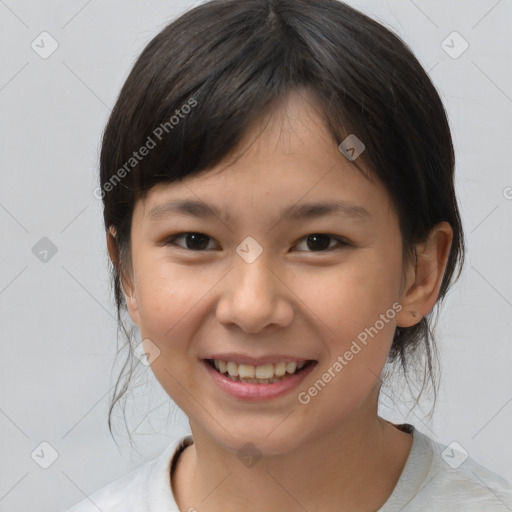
(57, 319)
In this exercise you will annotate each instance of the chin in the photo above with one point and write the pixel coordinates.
(258, 438)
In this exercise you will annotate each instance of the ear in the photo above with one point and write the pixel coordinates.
(126, 281)
(424, 277)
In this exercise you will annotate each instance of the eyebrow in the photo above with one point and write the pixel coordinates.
(295, 212)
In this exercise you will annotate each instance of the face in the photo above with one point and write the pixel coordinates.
(262, 280)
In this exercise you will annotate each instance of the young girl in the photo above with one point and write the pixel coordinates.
(277, 180)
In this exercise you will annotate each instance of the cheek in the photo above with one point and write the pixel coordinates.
(168, 294)
(353, 296)
(356, 309)
(165, 319)
(170, 300)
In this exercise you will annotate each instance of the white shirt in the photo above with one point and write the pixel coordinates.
(427, 483)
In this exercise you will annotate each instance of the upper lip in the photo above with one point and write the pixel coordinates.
(256, 361)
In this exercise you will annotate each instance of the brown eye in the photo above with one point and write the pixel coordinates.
(193, 241)
(318, 242)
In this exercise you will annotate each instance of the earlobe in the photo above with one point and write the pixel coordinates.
(131, 303)
(424, 279)
(125, 281)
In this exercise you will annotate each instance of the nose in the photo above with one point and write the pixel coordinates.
(254, 297)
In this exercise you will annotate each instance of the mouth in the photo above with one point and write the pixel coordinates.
(268, 373)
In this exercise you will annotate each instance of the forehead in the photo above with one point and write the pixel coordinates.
(287, 158)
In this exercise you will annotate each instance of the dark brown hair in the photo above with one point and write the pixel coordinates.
(231, 61)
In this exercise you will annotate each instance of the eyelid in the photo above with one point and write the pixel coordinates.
(170, 240)
(341, 242)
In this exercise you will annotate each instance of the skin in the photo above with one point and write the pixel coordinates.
(334, 453)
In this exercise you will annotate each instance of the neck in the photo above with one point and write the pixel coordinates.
(355, 467)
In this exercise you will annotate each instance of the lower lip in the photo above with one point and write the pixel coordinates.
(255, 392)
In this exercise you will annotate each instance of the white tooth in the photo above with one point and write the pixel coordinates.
(246, 371)
(222, 366)
(216, 363)
(232, 369)
(265, 371)
(301, 365)
(280, 369)
(291, 367)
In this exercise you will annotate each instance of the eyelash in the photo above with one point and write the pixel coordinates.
(341, 242)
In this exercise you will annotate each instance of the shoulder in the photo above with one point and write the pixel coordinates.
(459, 478)
(124, 492)
(138, 489)
(453, 481)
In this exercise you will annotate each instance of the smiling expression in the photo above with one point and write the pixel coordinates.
(284, 256)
